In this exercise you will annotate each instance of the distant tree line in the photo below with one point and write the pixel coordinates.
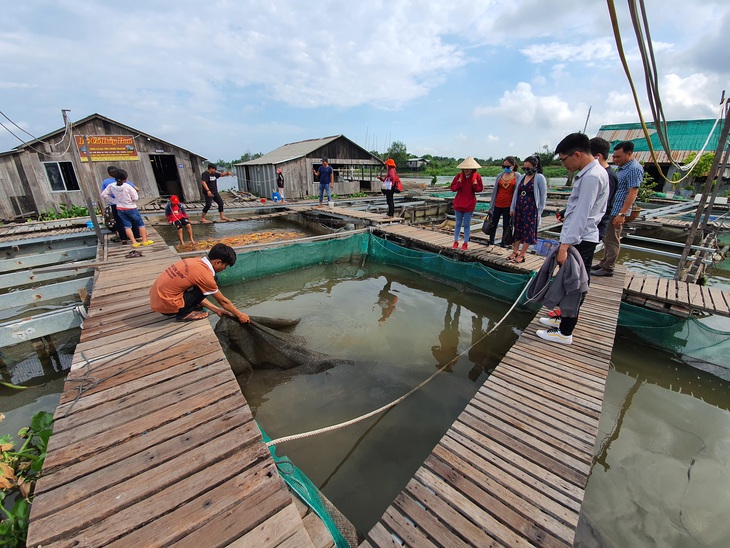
(444, 165)
(223, 164)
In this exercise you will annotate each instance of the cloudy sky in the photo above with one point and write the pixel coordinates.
(453, 78)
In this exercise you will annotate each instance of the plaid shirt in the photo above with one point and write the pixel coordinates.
(629, 176)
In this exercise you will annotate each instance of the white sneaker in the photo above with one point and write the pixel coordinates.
(554, 335)
(552, 322)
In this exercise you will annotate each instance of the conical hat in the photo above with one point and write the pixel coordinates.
(469, 163)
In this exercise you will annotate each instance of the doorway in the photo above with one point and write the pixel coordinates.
(166, 175)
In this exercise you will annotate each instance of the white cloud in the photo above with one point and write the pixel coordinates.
(599, 49)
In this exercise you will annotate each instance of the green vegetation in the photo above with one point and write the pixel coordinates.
(223, 164)
(19, 470)
(66, 212)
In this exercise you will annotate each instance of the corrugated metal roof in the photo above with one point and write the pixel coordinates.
(685, 137)
(291, 151)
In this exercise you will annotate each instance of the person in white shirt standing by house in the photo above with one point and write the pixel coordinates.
(125, 196)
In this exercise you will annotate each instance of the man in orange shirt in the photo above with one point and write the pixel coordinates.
(183, 288)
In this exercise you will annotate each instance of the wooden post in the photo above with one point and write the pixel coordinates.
(76, 160)
(701, 206)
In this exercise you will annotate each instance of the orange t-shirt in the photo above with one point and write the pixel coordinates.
(166, 294)
(504, 192)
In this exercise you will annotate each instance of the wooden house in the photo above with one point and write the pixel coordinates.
(355, 169)
(41, 174)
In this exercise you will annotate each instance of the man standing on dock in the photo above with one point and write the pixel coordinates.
(586, 206)
(630, 174)
(182, 289)
(326, 179)
(210, 187)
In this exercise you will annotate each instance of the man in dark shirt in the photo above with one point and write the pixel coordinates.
(600, 148)
(210, 188)
(326, 178)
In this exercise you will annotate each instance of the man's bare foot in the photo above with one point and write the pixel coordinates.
(205, 221)
(192, 242)
(224, 218)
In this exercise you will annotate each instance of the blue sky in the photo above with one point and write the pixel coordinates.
(459, 78)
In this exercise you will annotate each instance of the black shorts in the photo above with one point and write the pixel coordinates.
(181, 223)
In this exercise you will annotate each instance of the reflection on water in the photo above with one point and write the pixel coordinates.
(40, 365)
(397, 327)
(661, 475)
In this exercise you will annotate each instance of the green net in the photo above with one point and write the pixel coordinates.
(265, 262)
(688, 337)
(306, 490)
(504, 286)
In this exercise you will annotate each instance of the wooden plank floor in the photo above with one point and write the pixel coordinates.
(441, 242)
(370, 216)
(153, 443)
(666, 292)
(512, 469)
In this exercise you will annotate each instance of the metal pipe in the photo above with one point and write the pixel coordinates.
(667, 242)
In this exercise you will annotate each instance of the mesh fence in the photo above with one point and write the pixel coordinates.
(688, 337)
(358, 247)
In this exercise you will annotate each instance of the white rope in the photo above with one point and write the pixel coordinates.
(396, 402)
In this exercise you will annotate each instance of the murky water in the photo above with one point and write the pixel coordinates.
(40, 366)
(661, 476)
(647, 442)
(398, 328)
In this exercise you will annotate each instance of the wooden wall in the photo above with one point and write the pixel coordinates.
(24, 172)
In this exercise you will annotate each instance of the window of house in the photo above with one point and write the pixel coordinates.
(61, 176)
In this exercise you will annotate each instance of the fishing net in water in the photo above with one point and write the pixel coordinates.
(342, 531)
(265, 343)
(688, 337)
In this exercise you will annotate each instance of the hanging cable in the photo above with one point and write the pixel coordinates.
(650, 71)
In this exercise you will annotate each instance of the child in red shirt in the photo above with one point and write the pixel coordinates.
(175, 213)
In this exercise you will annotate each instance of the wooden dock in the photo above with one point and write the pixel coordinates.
(512, 469)
(441, 242)
(153, 443)
(369, 218)
(675, 297)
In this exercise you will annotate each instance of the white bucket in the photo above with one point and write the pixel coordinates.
(331, 204)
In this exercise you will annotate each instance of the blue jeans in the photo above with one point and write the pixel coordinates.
(462, 218)
(322, 189)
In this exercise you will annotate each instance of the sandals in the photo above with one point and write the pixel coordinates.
(519, 259)
(512, 256)
(195, 315)
(133, 254)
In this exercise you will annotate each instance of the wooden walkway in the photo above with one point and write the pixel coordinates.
(675, 297)
(153, 443)
(441, 242)
(370, 218)
(512, 469)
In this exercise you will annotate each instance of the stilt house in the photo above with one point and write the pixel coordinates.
(355, 169)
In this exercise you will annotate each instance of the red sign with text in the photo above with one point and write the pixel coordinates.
(107, 148)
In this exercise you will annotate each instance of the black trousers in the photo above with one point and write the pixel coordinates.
(499, 212)
(586, 251)
(209, 202)
(193, 296)
(389, 200)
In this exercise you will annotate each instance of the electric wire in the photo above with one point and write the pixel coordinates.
(649, 65)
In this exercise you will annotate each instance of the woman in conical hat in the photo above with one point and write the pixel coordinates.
(466, 185)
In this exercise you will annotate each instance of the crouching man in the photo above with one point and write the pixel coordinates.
(183, 288)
